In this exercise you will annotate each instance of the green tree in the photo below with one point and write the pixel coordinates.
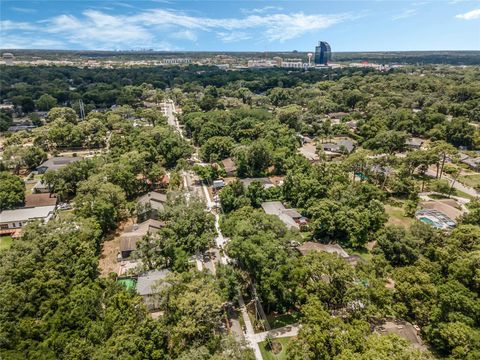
(46, 102)
(12, 191)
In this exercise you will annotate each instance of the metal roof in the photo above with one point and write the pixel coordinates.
(25, 214)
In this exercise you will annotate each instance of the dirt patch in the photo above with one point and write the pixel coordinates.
(108, 259)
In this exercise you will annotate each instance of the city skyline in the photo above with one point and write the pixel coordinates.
(240, 26)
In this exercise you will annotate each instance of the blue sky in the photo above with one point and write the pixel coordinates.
(241, 25)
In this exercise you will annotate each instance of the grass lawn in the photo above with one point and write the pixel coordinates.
(363, 252)
(470, 180)
(5, 242)
(281, 320)
(268, 355)
(395, 216)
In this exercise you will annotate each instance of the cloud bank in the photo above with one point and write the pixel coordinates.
(159, 28)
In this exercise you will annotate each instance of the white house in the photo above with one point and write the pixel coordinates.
(17, 218)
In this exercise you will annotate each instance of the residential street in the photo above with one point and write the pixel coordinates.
(432, 172)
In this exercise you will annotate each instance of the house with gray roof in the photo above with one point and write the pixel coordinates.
(149, 284)
(150, 204)
(133, 233)
(56, 163)
(290, 217)
(10, 220)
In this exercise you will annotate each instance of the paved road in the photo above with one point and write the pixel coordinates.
(432, 172)
(220, 241)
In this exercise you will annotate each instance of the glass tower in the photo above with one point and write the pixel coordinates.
(323, 53)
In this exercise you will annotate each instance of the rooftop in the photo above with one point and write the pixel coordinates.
(147, 282)
(25, 214)
(32, 200)
(310, 246)
(155, 199)
(55, 163)
(403, 329)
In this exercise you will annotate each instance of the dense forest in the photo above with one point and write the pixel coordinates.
(55, 305)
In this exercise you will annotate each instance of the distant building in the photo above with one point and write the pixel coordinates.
(56, 163)
(323, 53)
(8, 58)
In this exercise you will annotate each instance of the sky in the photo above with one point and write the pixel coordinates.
(169, 25)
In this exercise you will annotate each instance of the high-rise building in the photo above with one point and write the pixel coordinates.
(323, 53)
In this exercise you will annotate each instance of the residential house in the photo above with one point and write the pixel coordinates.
(472, 162)
(310, 246)
(150, 204)
(309, 151)
(229, 166)
(34, 200)
(290, 217)
(265, 181)
(342, 146)
(148, 286)
(10, 220)
(414, 143)
(133, 233)
(56, 163)
(403, 329)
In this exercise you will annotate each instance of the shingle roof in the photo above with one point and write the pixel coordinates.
(32, 200)
(147, 282)
(55, 163)
(309, 246)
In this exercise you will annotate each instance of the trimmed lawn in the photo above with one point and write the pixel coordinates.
(5, 242)
(268, 355)
(281, 320)
(395, 216)
(470, 180)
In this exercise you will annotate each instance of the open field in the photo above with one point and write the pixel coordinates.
(470, 180)
(396, 217)
(5, 242)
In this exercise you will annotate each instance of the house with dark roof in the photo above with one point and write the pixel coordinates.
(342, 146)
(133, 233)
(33, 200)
(56, 163)
(150, 204)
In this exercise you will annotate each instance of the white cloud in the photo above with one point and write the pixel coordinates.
(6, 25)
(233, 36)
(23, 10)
(262, 10)
(95, 29)
(471, 15)
(185, 35)
(405, 14)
